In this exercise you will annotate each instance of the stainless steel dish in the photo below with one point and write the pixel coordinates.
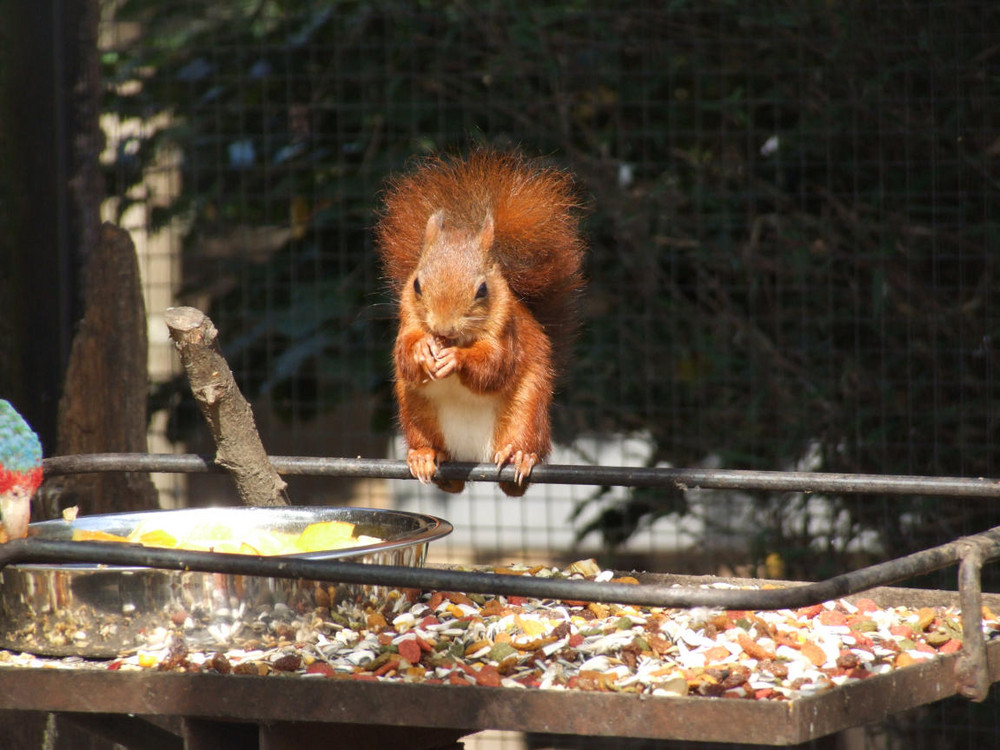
(105, 611)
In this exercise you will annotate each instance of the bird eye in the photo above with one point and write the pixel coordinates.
(481, 291)
(416, 287)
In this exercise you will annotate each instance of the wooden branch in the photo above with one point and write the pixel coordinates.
(229, 416)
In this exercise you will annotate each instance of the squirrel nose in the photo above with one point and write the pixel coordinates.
(446, 334)
(444, 330)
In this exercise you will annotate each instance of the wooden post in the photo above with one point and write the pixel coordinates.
(103, 406)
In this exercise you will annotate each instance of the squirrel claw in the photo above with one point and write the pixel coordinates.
(446, 364)
(436, 362)
(422, 463)
(502, 456)
(523, 464)
(425, 356)
(522, 461)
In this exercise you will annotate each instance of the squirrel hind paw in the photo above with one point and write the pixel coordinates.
(453, 486)
(513, 489)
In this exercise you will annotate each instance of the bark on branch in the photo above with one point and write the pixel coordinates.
(229, 416)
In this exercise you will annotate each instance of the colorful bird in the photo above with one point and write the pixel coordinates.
(20, 470)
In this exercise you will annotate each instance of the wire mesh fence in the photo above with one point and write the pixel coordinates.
(792, 213)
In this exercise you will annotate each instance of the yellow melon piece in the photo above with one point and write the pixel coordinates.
(263, 542)
(246, 549)
(154, 538)
(208, 533)
(230, 546)
(85, 535)
(325, 535)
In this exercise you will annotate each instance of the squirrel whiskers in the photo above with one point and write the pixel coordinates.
(484, 256)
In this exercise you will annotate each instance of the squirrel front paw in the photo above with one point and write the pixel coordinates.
(425, 356)
(522, 461)
(435, 361)
(446, 363)
(423, 462)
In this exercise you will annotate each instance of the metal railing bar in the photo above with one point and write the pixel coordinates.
(626, 476)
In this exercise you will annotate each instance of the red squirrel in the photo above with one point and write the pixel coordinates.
(484, 256)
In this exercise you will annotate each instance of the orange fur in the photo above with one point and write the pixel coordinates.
(484, 256)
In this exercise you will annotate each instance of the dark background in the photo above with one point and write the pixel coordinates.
(793, 211)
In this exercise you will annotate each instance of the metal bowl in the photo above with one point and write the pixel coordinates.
(105, 611)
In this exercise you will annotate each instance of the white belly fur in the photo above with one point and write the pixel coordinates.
(467, 419)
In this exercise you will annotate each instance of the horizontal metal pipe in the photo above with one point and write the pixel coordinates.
(111, 553)
(626, 476)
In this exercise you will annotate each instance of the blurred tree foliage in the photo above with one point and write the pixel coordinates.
(793, 213)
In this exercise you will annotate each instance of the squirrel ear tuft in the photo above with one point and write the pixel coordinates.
(486, 233)
(435, 223)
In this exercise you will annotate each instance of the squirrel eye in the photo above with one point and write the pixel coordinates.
(481, 291)
(416, 287)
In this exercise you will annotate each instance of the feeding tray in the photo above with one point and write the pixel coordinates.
(98, 610)
(427, 709)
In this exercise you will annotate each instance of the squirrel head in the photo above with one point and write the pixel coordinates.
(457, 291)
